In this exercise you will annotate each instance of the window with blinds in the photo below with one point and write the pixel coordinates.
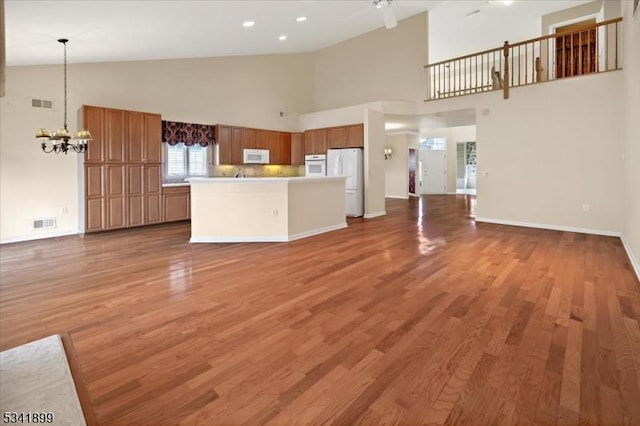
(184, 161)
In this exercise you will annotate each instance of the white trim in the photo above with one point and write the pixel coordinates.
(411, 194)
(268, 238)
(39, 236)
(550, 227)
(451, 193)
(376, 214)
(397, 197)
(632, 258)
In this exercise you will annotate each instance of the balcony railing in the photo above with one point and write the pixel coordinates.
(587, 50)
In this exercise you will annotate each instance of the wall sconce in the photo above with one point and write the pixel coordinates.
(387, 153)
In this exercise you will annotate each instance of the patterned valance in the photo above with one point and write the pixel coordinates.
(174, 133)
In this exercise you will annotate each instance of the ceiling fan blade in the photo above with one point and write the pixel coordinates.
(389, 17)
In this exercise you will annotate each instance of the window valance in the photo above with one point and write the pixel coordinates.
(174, 132)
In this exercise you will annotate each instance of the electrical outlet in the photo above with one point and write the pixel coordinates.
(64, 210)
(586, 207)
(274, 212)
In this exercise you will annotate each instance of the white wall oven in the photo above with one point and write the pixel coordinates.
(315, 165)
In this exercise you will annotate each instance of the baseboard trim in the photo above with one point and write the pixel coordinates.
(550, 227)
(414, 195)
(632, 258)
(397, 197)
(39, 236)
(376, 214)
(268, 238)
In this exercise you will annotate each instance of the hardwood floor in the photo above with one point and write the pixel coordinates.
(418, 317)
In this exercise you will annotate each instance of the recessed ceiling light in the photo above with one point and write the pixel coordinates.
(248, 24)
(301, 18)
(282, 37)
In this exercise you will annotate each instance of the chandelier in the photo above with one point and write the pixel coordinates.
(60, 140)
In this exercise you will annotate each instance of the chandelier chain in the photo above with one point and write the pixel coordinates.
(65, 85)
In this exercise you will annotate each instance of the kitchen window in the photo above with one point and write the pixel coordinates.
(185, 161)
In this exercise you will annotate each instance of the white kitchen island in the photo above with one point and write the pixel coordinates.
(230, 210)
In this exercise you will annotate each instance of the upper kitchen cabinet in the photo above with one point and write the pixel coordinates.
(284, 148)
(223, 140)
(249, 138)
(355, 136)
(315, 141)
(273, 143)
(93, 121)
(152, 150)
(237, 136)
(114, 135)
(297, 149)
(337, 137)
(135, 136)
(262, 139)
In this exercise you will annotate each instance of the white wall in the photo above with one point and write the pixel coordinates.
(374, 141)
(549, 149)
(631, 40)
(248, 91)
(396, 169)
(453, 136)
(379, 65)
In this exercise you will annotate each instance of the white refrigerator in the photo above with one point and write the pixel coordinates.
(349, 162)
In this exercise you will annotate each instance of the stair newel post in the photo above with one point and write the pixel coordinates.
(505, 84)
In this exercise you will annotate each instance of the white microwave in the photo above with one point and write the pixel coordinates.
(255, 156)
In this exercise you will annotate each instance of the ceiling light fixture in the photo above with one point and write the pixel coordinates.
(301, 18)
(60, 139)
(379, 4)
(282, 37)
(388, 153)
(248, 24)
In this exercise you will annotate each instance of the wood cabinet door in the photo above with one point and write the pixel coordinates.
(94, 198)
(237, 134)
(284, 147)
(114, 136)
(135, 195)
(93, 121)
(273, 141)
(308, 142)
(152, 194)
(152, 139)
(223, 139)
(336, 137)
(297, 149)
(320, 141)
(249, 138)
(134, 143)
(176, 207)
(355, 136)
(116, 214)
(262, 139)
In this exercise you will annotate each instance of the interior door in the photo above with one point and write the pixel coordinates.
(433, 172)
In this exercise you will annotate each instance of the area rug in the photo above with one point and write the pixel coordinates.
(35, 380)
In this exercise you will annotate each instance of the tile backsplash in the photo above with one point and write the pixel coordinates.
(256, 170)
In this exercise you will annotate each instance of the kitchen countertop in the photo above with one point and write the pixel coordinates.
(292, 179)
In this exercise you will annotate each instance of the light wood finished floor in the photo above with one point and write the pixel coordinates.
(419, 317)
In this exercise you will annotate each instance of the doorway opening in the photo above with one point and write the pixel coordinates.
(466, 158)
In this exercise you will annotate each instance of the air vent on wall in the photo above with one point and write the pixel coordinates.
(45, 223)
(42, 103)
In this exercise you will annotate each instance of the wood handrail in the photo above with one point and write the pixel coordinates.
(484, 52)
(565, 33)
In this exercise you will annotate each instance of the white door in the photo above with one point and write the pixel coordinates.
(433, 172)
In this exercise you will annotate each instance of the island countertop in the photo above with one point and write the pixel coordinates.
(291, 179)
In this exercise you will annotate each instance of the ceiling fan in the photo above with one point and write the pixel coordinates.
(388, 16)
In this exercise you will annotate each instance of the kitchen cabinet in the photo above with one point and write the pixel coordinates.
(114, 135)
(122, 175)
(249, 138)
(273, 142)
(262, 139)
(284, 148)
(222, 135)
(355, 136)
(337, 137)
(93, 121)
(315, 141)
(297, 149)
(237, 136)
(176, 203)
(115, 198)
